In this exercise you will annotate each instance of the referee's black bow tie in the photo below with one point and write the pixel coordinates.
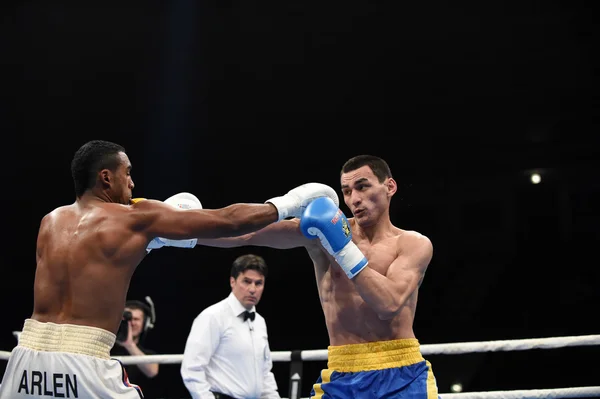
(249, 315)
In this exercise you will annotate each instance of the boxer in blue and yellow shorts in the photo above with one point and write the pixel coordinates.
(373, 370)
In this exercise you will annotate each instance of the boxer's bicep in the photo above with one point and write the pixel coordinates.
(408, 269)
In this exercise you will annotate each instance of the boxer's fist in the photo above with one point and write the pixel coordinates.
(323, 219)
(184, 201)
(296, 200)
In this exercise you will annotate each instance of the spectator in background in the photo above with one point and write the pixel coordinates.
(138, 316)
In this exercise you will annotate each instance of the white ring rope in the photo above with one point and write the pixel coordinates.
(580, 392)
(441, 349)
(510, 345)
(429, 349)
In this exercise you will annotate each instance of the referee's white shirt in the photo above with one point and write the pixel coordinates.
(226, 354)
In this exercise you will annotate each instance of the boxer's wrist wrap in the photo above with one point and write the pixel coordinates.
(283, 205)
(351, 259)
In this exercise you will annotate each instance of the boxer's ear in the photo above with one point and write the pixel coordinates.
(391, 185)
(105, 177)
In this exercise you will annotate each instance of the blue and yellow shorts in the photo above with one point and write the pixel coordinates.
(373, 370)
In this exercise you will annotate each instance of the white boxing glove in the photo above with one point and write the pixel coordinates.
(296, 200)
(183, 201)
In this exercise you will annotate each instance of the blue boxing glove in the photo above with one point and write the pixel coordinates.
(323, 219)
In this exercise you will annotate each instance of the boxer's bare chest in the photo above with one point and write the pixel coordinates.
(380, 255)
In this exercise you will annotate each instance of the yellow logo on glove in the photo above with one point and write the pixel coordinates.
(345, 227)
(136, 200)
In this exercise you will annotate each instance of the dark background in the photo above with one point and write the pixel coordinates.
(240, 101)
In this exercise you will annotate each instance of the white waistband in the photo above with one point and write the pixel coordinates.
(70, 338)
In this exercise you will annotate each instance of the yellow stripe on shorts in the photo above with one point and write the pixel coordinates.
(325, 378)
(432, 389)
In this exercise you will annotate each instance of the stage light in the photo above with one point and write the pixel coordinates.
(456, 387)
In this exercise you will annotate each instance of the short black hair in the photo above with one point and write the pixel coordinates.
(249, 262)
(91, 158)
(379, 167)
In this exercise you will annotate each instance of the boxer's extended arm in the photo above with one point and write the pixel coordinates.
(158, 219)
(170, 222)
(386, 295)
(282, 235)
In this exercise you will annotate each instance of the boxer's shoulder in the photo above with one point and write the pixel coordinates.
(411, 237)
